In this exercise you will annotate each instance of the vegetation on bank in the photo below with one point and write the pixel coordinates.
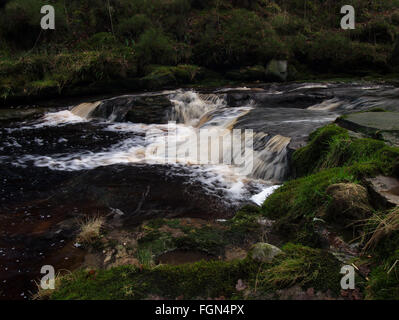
(124, 44)
(298, 265)
(339, 160)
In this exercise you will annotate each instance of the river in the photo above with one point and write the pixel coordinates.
(142, 155)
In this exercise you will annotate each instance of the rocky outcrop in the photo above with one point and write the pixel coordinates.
(380, 125)
(21, 114)
(137, 109)
(385, 189)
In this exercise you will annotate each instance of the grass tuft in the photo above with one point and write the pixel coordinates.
(90, 229)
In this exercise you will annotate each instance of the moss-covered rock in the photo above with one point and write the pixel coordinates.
(303, 266)
(298, 202)
(199, 280)
(331, 146)
(306, 160)
(349, 203)
(263, 252)
(161, 76)
(276, 70)
(333, 166)
(257, 72)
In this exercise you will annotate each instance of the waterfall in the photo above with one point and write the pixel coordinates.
(190, 106)
(84, 110)
(271, 163)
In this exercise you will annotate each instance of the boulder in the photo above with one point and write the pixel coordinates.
(263, 252)
(276, 70)
(138, 109)
(349, 203)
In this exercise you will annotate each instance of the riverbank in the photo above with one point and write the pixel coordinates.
(128, 46)
(35, 79)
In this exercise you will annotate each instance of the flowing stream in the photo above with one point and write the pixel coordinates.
(144, 156)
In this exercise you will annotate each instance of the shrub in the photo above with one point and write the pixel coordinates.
(133, 27)
(285, 24)
(20, 22)
(395, 18)
(154, 47)
(238, 37)
(101, 41)
(377, 31)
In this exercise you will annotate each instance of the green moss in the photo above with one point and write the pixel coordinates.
(210, 238)
(384, 281)
(331, 146)
(243, 226)
(303, 266)
(297, 202)
(161, 76)
(203, 279)
(152, 244)
(207, 239)
(330, 157)
(306, 159)
(299, 265)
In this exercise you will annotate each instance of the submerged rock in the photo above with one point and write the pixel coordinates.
(264, 252)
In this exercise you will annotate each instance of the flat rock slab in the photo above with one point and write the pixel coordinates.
(383, 125)
(376, 120)
(387, 187)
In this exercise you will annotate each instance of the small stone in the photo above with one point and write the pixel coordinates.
(240, 286)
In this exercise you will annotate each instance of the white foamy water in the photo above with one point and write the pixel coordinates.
(260, 197)
(52, 119)
(311, 86)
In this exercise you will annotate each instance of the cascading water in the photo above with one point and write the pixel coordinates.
(191, 107)
(84, 110)
(210, 156)
(210, 160)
